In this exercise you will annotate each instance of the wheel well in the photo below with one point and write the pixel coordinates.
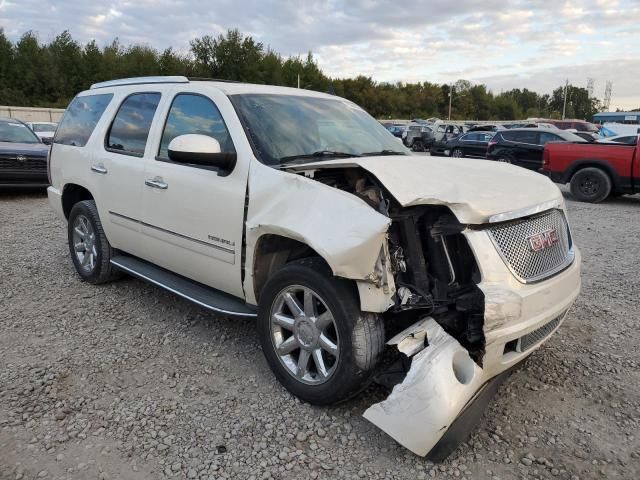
(604, 167)
(272, 253)
(72, 194)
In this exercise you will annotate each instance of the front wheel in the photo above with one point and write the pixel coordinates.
(590, 185)
(313, 335)
(457, 153)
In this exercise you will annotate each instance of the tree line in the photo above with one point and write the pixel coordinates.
(33, 73)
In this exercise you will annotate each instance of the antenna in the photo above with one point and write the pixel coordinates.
(607, 96)
(590, 84)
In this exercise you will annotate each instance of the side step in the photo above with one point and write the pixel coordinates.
(202, 295)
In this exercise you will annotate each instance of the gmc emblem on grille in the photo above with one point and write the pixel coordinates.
(543, 240)
(21, 158)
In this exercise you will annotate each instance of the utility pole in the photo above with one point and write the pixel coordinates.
(450, 95)
(564, 107)
(298, 80)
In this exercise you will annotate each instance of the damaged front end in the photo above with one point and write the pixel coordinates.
(456, 316)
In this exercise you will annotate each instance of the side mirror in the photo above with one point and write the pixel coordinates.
(200, 150)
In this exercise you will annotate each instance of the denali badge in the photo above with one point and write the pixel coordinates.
(543, 240)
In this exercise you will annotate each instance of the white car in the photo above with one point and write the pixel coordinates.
(300, 209)
(620, 139)
(44, 130)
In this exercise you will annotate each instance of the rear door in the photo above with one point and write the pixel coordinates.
(528, 152)
(193, 215)
(118, 167)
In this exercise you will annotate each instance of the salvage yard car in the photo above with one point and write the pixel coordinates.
(359, 259)
(594, 171)
(524, 146)
(23, 157)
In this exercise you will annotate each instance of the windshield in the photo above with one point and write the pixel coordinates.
(15, 132)
(286, 128)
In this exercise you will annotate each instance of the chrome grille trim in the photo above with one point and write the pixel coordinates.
(531, 339)
(511, 242)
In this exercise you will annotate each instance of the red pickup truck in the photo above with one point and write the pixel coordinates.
(593, 170)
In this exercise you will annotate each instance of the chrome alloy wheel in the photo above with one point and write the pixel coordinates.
(84, 243)
(304, 335)
(457, 153)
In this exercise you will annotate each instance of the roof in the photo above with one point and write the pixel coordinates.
(615, 114)
(227, 87)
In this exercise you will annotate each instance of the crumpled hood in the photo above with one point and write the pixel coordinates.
(475, 190)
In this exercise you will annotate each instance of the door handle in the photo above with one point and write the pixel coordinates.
(156, 182)
(99, 168)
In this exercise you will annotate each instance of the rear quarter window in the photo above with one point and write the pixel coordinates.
(80, 119)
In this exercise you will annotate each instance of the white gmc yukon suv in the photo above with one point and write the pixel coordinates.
(361, 261)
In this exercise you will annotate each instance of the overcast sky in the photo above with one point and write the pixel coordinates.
(532, 44)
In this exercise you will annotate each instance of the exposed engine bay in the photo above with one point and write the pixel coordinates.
(433, 266)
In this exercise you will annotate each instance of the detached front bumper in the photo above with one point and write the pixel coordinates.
(443, 381)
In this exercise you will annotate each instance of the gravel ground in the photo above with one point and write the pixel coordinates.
(127, 381)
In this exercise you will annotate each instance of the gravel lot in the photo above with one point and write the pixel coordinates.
(127, 381)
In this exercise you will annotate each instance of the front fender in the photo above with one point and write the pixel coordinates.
(346, 232)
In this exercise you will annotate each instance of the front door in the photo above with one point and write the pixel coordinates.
(193, 215)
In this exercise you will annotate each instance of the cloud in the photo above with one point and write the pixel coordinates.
(532, 44)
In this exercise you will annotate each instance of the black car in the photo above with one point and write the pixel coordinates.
(524, 146)
(23, 157)
(472, 144)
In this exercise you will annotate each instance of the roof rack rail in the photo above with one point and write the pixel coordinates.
(140, 81)
(209, 79)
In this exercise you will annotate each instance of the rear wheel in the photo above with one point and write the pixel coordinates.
(590, 185)
(417, 146)
(313, 335)
(505, 159)
(88, 245)
(457, 152)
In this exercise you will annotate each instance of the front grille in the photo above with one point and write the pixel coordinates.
(29, 163)
(514, 240)
(533, 338)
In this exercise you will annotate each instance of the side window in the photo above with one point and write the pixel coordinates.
(486, 137)
(526, 137)
(548, 137)
(470, 137)
(80, 119)
(191, 113)
(130, 128)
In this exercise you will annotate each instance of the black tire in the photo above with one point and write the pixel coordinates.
(590, 184)
(417, 146)
(360, 335)
(102, 270)
(461, 155)
(505, 159)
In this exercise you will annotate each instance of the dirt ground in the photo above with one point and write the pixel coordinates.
(127, 381)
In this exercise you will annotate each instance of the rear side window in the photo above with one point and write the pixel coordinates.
(524, 137)
(548, 137)
(130, 128)
(80, 119)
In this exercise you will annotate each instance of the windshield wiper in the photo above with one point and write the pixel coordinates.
(383, 153)
(292, 159)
